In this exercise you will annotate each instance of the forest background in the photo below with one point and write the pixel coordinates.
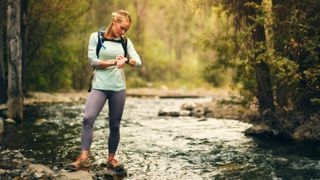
(268, 50)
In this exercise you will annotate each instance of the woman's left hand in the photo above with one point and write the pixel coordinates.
(121, 61)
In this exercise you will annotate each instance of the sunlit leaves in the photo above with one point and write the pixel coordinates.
(292, 48)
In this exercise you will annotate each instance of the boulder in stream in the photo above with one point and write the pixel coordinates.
(261, 130)
(80, 175)
(39, 171)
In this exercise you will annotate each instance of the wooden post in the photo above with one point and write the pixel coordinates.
(15, 96)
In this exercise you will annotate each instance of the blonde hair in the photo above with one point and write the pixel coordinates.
(119, 16)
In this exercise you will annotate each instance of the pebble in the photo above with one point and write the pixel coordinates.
(19, 156)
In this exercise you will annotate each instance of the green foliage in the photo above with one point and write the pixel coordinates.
(285, 71)
(188, 43)
(50, 56)
(58, 33)
(298, 38)
(218, 49)
(136, 82)
(291, 48)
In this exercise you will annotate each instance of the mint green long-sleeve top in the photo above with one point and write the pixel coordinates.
(111, 78)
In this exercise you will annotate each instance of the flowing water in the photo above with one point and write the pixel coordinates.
(155, 147)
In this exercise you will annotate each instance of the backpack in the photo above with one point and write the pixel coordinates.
(101, 39)
(100, 45)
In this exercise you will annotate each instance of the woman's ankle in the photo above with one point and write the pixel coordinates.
(111, 157)
(84, 154)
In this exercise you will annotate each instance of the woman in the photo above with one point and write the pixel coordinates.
(108, 83)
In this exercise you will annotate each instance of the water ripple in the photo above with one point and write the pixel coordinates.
(154, 147)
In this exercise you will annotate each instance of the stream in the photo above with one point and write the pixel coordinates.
(157, 147)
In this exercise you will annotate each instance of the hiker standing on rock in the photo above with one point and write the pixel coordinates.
(109, 52)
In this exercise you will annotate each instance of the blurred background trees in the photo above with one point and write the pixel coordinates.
(269, 50)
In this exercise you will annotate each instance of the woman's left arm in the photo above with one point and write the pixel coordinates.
(134, 58)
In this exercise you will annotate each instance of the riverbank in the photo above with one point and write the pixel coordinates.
(211, 108)
(224, 104)
(76, 96)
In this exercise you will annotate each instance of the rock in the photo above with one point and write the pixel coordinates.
(174, 113)
(2, 172)
(1, 128)
(208, 111)
(19, 156)
(184, 113)
(40, 171)
(198, 112)
(40, 122)
(55, 168)
(10, 121)
(202, 119)
(39, 175)
(307, 131)
(162, 113)
(261, 130)
(169, 113)
(15, 173)
(32, 160)
(80, 175)
(187, 106)
(5, 152)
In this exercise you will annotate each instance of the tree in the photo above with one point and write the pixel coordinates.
(297, 51)
(15, 96)
(264, 92)
(3, 87)
(54, 39)
(24, 38)
(245, 49)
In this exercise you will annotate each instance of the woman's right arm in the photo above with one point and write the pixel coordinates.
(92, 57)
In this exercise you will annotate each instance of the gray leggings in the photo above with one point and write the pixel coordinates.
(94, 105)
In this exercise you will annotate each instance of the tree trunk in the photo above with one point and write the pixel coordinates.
(262, 69)
(140, 6)
(264, 88)
(281, 92)
(24, 38)
(3, 87)
(15, 96)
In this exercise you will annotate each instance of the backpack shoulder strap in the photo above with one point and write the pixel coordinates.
(100, 40)
(124, 43)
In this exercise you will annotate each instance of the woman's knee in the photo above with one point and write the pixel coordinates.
(88, 122)
(89, 116)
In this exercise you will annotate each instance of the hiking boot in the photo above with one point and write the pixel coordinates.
(79, 164)
(114, 164)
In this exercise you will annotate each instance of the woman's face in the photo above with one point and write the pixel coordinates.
(120, 28)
